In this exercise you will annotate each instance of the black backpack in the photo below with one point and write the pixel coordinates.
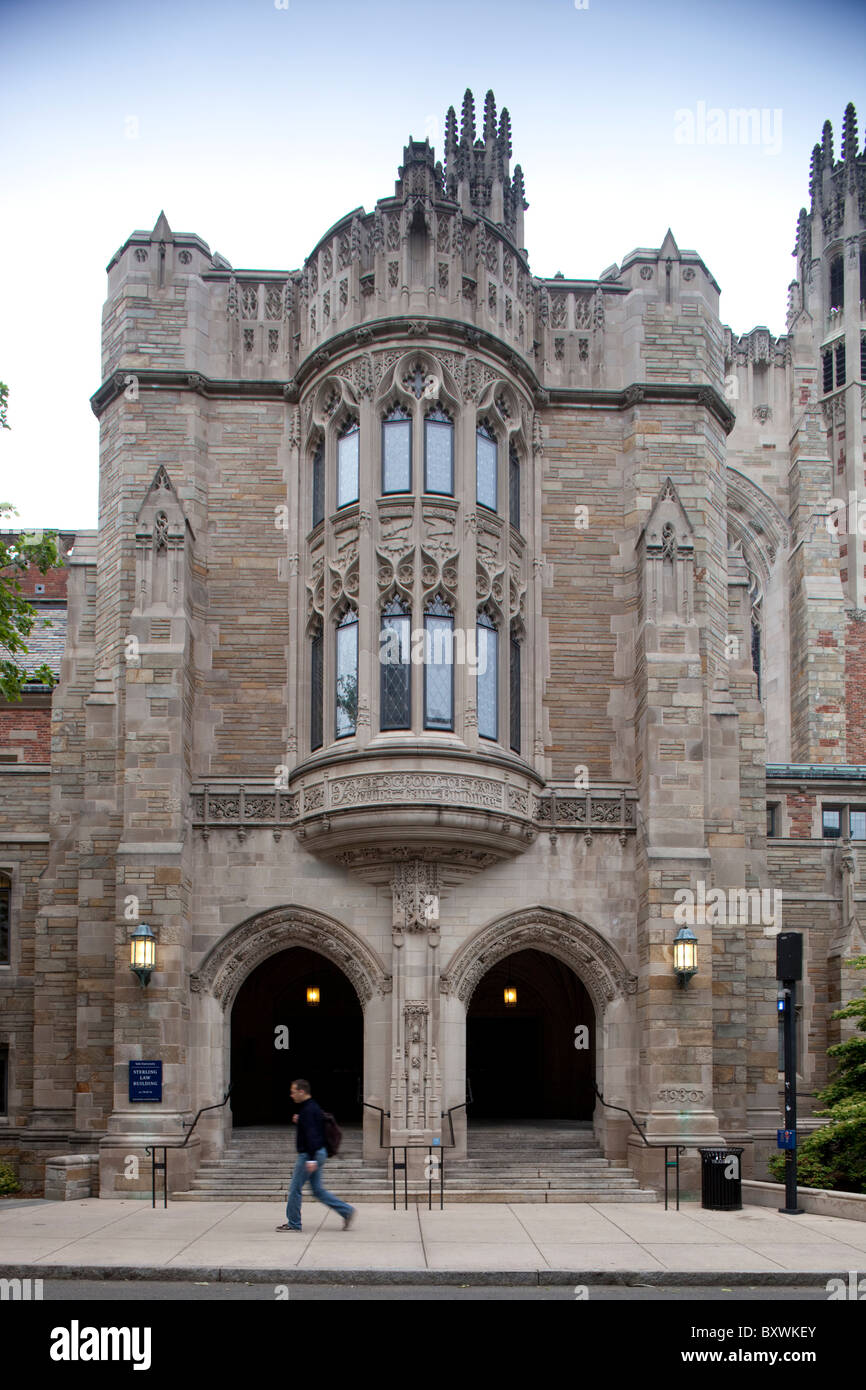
(333, 1134)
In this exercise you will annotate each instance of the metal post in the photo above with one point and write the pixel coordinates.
(157, 1167)
(789, 1018)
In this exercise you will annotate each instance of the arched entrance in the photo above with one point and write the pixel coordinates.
(595, 987)
(277, 1035)
(533, 1058)
(254, 945)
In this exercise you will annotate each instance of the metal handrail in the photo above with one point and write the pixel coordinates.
(677, 1148)
(162, 1167)
(218, 1106)
(622, 1109)
(446, 1114)
(404, 1168)
(382, 1113)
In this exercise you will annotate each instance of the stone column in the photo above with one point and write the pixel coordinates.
(416, 1087)
(154, 873)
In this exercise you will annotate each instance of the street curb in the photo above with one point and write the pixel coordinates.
(228, 1274)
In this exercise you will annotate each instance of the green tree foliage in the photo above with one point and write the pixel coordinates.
(8, 1181)
(834, 1157)
(17, 615)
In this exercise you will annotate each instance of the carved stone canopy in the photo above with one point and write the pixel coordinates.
(668, 518)
(596, 963)
(161, 517)
(415, 889)
(231, 960)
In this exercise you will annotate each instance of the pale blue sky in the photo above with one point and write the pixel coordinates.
(257, 127)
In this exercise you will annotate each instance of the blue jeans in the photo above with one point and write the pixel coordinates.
(299, 1177)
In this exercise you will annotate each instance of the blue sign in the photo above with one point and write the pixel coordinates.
(786, 1138)
(145, 1081)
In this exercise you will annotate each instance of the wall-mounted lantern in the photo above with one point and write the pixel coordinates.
(685, 955)
(142, 953)
(509, 994)
(313, 996)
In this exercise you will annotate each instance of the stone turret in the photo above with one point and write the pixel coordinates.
(477, 171)
(825, 319)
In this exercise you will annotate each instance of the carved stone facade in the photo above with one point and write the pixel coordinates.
(609, 510)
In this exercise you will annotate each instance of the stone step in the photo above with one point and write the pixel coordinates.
(451, 1197)
(493, 1180)
(506, 1163)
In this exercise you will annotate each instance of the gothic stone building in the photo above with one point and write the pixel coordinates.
(445, 625)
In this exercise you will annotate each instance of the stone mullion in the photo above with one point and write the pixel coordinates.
(367, 601)
(465, 686)
(536, 643)
(329, 630)
(416, 616)
(295, 549)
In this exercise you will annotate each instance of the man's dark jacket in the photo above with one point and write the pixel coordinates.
(311, 1128)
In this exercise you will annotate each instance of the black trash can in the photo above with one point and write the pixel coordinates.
(721, 1179)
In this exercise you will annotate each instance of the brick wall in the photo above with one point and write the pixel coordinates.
(25, 732)
(855, 688)
(800, 810)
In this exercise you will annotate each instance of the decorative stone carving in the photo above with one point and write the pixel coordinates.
(579, 946)
(415, 890)
(583, 310)
(378, 787)
(231, 960)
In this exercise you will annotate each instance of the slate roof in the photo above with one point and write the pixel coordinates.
(45, 644)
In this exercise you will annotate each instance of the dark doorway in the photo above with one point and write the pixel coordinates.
(522, 1061)
(325, 1041)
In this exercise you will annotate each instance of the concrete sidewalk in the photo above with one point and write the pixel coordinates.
(531, 1243)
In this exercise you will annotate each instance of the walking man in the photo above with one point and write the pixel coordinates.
(311, 1160)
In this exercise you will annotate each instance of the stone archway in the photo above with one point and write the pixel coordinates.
(228, 964)
(592, 959)
(597, 965)
(231, 960)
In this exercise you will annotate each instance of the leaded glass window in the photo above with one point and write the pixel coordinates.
(397, 451)
(837, 283)
(394, 659)
(439, 453)
(347, 464)
(438, 665)
(756, 643)
(487, 679)
(514, 693)
(485, 466)
(514, 487)
(347, 674)
(319, 485)
(317, 688)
